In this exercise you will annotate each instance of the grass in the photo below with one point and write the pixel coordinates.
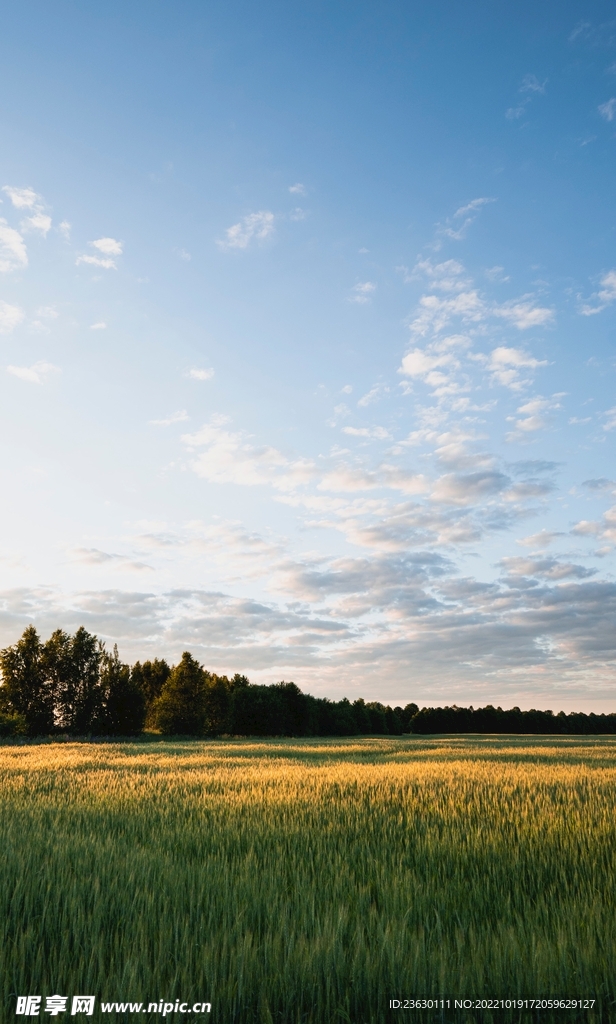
(310, 881)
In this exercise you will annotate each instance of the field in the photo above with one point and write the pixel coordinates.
(312, 881)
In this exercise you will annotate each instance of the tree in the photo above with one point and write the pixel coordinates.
(181, 707)
(73, 666)
(26, 689)
(150, 677)
(123, 701)
(217, 704)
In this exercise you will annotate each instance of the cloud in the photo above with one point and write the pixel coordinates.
(64, 228)
(363, 292)
(608, 109)
(530, 83)
(434, 313)
(376, 392)
(96, 261)
(377, 432)
(506, 363)
(223, 456)
(604, 297)
(175, 417)
(108, 247)
(545, 568)
(532, 418)
(298, 214)
(539, 540)
(196, 374)
(475, 204)
(182, 254)
(446, 276)
(515, 113)
(347, 389)
(22, 198)
(13, 253)
(298, 189)
(40, 222)
(100, 326)
(35, 374)
(524, 314)
(94, 556)
(256, 226)
(10, 317)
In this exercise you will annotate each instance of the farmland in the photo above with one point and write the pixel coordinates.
(310, 880)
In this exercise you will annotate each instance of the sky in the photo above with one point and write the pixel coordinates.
(307, 324)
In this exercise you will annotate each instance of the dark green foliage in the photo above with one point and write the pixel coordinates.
(150, 677)
(258, 711)
(123, 702)
(217, 705)
(181, 708)
(73, 664)
(26, 689)
(12, 724)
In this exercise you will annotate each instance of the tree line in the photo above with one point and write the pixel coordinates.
(72, 685)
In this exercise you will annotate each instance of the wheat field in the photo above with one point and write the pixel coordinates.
(310, 880)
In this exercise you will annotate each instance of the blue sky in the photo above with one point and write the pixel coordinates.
(307, 320)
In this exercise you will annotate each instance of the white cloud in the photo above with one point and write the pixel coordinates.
(523, 314)
(530, 83)
(446, 276)
(298, 189)
(604, 297)
(228, 457)
(22, 198)
(373, 395)
(531, 416)
(40, 222)
(196, 374)
(13, 253)
(514, 113)
(506, 363)
(347, 389)
(64, 228)
(378, 432)
(10, 317)
(35, 374)
(100, 326)
(257, 226)
(539, 540)
(182, 254)
(475, 204)
(420, 362)
(362, 292)
(96, 261)
(608, 109)
(435, 313)
(175, 417)
(108, 246)
(298, 214)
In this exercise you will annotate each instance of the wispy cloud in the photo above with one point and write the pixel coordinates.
(531, 416)
(35, 374)
(603, 298)
(13, 252)
(254, 227)
(507, 364)
(608, 109)
(523, 313)
(197, 374)
(176, 417)
(108, 247)
(28, 199)
(10, 317)
(363, 292)
(298, 189)
(100, 326)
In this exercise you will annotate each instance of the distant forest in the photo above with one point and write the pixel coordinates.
(71, 685)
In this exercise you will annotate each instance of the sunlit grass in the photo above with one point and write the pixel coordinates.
(310, 880)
